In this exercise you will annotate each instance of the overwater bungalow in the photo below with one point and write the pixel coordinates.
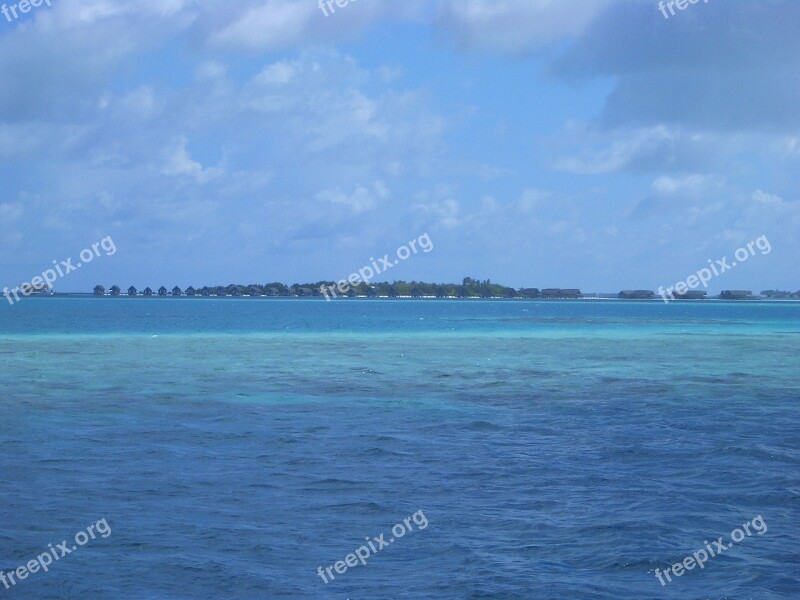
(780, 295)
(132, 291)
(561, 293)
(529, 293)
(190, 291)
(99, 290)
(176, 291)
(690, 295)
(736, 295)
(637, 294)
(162, 291)
(115, 290)
(39, 289)
(147, 292)
(206, 291)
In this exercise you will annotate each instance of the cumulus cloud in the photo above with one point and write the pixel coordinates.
(273, 24)
(606, 152)
(167, 121)
(177, 162)
(722, 65)
(513, 26)
(691, 184)
(360, 200)
(10, 212)
(443, 213)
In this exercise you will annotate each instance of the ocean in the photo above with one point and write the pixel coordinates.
(238, 448)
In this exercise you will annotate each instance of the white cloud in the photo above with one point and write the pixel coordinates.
(277, 73)
(274, 24)
(444, 214)
(19, 139)
(178, 162)
(517, 25)
(691, 184)
(141, 102)
(211, 70)
(11, 212)
(767, 200)
(615, 154)
(531, 199)
(91, 11)
(390, 74)
(359, 201)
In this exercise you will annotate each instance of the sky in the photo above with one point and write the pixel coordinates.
(593, 144)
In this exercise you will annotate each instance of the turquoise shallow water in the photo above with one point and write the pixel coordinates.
(557, 449)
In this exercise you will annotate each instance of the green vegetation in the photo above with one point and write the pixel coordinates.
(468, 288)
(780, 295)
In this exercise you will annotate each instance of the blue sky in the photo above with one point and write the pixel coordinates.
(569, 143)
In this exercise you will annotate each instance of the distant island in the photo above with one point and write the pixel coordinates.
(468, 288)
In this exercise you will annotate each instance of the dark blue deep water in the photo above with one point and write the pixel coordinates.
(554, 449)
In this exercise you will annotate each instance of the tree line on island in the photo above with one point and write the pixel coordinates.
(468, 288)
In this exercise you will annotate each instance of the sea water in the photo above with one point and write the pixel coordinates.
(556, 449)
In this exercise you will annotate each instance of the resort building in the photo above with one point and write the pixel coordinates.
(38, 289)
(115, 290)
(529, 293)
(637, 294)
(690, 295)
(736, 295)
(132, 291)
(147, 292)
(561, 293)
(162, 291)
(176, 291)
(99, 290)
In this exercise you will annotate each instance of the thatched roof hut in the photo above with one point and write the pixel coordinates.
(736, 294)
(637, 294)
(690, 295)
